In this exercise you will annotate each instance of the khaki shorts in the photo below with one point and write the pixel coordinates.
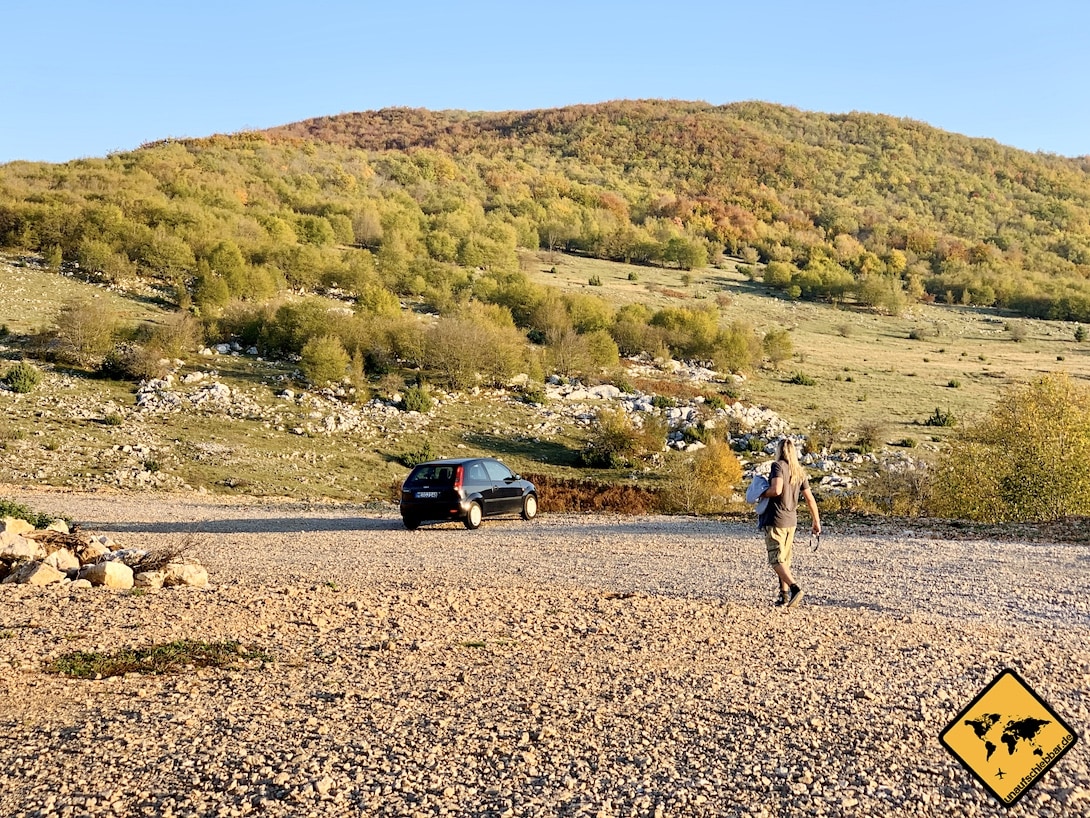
(780, 543)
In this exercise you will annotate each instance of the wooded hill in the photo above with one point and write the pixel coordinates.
(436, 205)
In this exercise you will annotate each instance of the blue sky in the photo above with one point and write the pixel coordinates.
(90, 78)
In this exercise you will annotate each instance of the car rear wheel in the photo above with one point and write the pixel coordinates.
(473, 516)
(529, 507)
(411, 523)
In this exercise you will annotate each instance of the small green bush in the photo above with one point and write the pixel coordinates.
(113, 419)
(940, 418)
(422, 454)
(9, 508)
(663, 402)
(954, 383)
(801, 379)
(595, 281)
(870, 435)
(1080, 333)
(713, 400)
(23, 377)
(633, 276)
(416, 399)
(153, 660)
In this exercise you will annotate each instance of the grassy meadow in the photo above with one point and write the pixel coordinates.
(77, 430)
(866, 367)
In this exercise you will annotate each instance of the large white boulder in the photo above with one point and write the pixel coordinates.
(34, 573)
(15, 525)
(185, 573)
(14, 546)
(108, 574)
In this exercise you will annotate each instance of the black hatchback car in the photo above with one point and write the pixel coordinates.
(467, 489)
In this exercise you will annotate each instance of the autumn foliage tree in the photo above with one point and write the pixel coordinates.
(1027, 460)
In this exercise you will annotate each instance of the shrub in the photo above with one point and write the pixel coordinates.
(713, 400)
(533, 393)
(1017, 331)
(844, 330)
(617, 442)
(823, 434)
(870, 435)
(899, 489)
(663, 402)
(9, 508)
(595, 281)
(416, 399)
(921, 333)
(571, 495)
(133, 362)
(1080, 334)
(84, 331)
(940, 418)
(152, 660)
(953, 383)
(23, 377)
(324, 360)
(801, 379)
(777, 346)
(633, 276)
(702, 482)
(413, 457)
(1027, 460)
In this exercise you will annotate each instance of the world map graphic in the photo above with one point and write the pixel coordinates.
(1015, 732)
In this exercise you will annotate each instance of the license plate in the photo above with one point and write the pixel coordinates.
(426, 495)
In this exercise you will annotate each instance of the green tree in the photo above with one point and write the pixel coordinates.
(1028, 460)
(777, 346)
(324, 360)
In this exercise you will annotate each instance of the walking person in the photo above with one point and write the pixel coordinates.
(787, 482)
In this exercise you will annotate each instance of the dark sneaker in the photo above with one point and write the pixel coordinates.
(796, 595)
(783, 600)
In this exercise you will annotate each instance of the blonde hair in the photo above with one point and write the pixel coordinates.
(788, 452)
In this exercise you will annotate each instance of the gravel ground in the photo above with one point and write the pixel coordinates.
(571, 666)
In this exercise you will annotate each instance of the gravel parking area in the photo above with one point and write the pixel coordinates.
(570, 666)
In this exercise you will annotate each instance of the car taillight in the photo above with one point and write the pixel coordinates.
(457, 478)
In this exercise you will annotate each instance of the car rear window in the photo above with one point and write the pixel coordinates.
(431, 475)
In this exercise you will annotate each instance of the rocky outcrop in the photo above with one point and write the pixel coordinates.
(55, 557)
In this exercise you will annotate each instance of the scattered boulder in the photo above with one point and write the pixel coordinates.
(109, 574)
(149, 579)
(187, 573)
(16, 547)
(63, 560)
(15, 525)
(34, 573)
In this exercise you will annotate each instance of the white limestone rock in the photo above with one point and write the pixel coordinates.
(34, 573)
(15, 525)
(63, 560)
(185, 573)
(108, 574)
(14, 547)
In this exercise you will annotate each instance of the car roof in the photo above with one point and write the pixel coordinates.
(455, 461)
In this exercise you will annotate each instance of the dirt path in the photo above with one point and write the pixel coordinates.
(575, 665)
